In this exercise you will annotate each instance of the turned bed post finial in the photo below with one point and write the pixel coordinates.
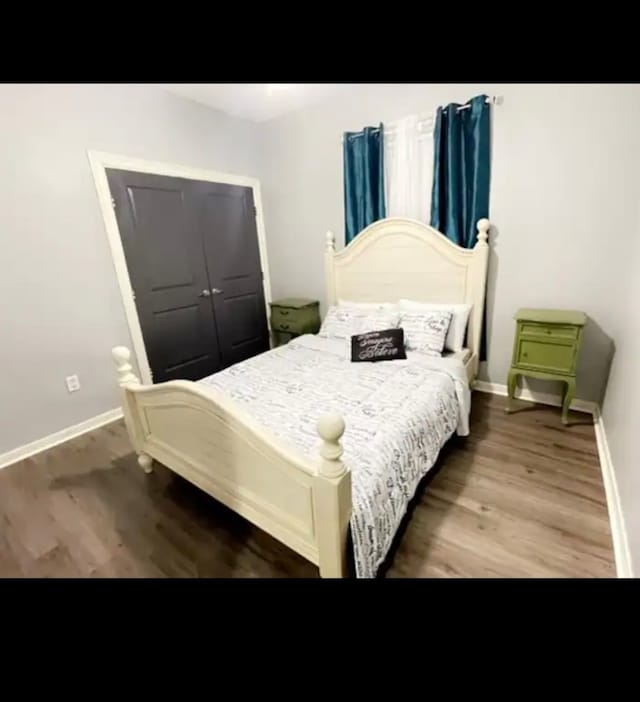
(331, 242)
(121, 356)
(331, 429)
(332, 500)
(478, 287)
(483, 230)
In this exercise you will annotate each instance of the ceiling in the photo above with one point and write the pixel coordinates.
(255, 101)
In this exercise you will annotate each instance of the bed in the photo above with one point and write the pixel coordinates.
(307, 445)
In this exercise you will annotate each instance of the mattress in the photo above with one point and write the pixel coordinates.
(398, 415)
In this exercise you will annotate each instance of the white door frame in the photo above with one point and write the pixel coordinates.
(100, 161)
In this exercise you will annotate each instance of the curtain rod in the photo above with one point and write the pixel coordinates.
(493, 100)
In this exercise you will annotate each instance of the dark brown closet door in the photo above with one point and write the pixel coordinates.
(158, 221)
(228, 225)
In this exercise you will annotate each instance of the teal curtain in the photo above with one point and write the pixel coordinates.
(363, 179)
(462, 175)
(461, 169)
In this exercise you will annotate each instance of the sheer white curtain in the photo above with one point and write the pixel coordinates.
(408, 169)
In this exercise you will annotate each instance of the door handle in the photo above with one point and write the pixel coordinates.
(204, 293)
(216, 291)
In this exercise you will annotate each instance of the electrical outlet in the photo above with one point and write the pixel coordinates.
(73, 383)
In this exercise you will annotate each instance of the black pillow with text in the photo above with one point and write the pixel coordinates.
(386, 345)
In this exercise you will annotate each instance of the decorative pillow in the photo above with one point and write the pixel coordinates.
(385, 345)
(344, 322)
(338, 323)
(459, 320)
(425, 331)
(377, 320)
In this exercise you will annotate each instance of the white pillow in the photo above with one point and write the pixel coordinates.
(425, 331)
(345, 322)
(459, 319)
(378, 320)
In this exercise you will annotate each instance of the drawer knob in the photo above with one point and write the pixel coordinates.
(284, 326)
(284, 313)
(525, 354)
(548, 331)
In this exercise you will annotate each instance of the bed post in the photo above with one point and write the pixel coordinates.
(332, 500)
(330, 252)
(126, 376)
(479, 284)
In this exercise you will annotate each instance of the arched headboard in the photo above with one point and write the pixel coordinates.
(402, 258)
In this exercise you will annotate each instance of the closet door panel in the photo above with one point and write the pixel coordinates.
(162, 244)
(232, 254)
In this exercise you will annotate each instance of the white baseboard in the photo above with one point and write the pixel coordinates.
(624, 567)
(621, 552)
(22, 452)
(542, 398)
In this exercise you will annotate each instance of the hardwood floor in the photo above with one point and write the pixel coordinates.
(522, 496)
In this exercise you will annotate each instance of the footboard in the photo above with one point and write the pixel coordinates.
(209, 441)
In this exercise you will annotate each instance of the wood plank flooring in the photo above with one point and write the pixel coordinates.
(522, 496)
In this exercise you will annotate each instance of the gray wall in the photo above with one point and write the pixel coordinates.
(60, 308)
(564, 191)
(622, 404)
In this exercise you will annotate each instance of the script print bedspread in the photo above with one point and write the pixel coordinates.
(398, 415)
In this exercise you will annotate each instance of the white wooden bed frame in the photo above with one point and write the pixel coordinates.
(200, 434)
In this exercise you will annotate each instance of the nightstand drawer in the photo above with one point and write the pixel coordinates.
(296, 317)
(554, 356)
(286, 324)
(293, 316)
(553, 330)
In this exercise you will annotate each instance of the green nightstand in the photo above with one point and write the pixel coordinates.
(292, 317)
(546, 346)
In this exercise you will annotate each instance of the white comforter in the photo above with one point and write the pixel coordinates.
(398, 415)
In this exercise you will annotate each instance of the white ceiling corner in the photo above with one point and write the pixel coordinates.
(255, 101)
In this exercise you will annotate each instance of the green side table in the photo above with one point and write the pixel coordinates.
(293, 316)
(546, 346)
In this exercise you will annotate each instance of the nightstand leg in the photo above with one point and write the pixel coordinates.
(511, 389)
(568, 398)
